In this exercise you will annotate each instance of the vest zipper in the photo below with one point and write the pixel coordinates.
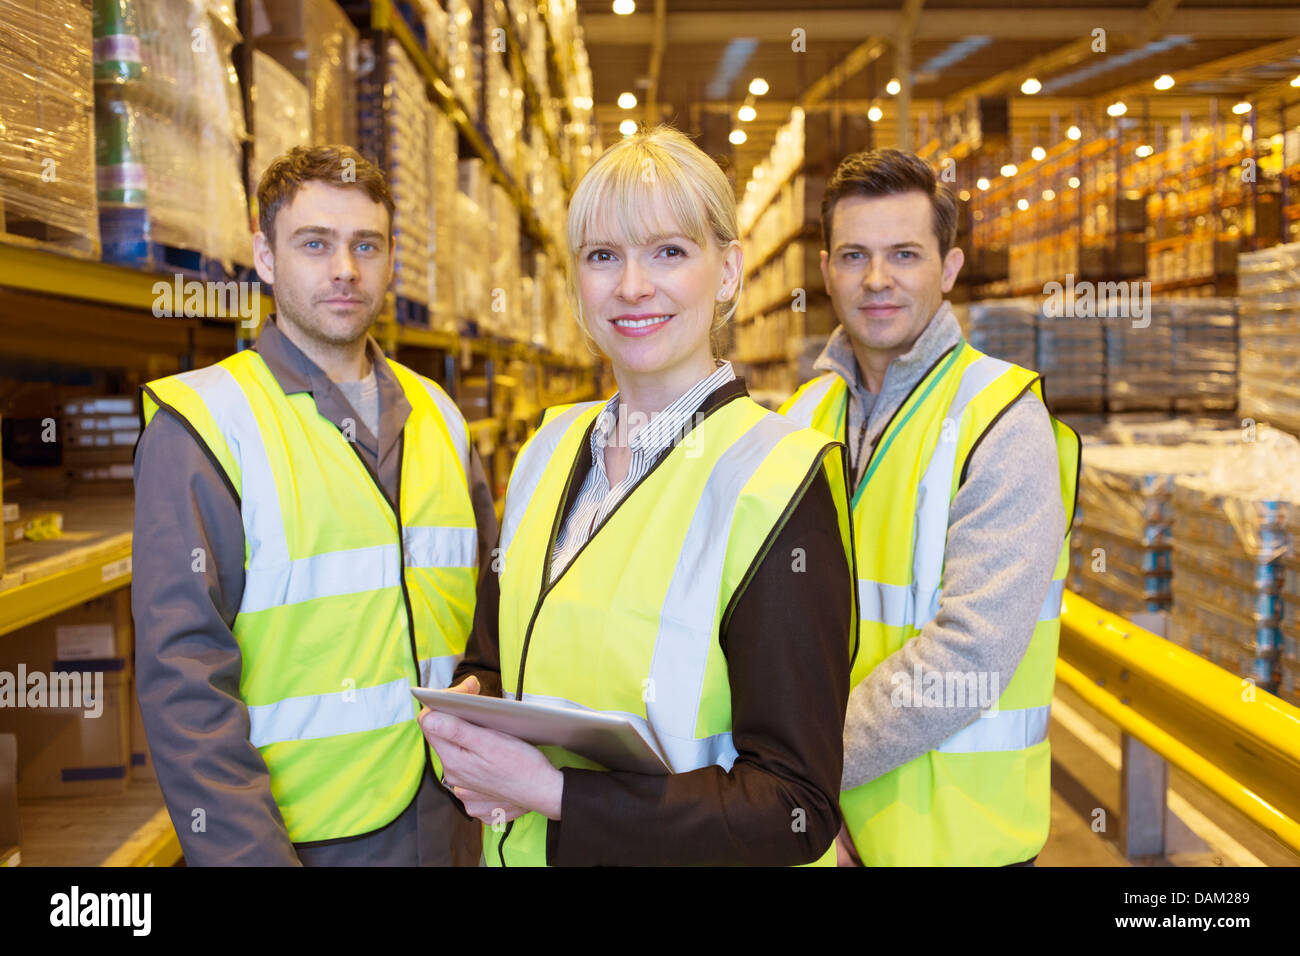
(548, 584)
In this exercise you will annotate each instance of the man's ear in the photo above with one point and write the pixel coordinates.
(263, 258)
(952, 264)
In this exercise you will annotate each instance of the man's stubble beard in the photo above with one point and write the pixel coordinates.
(312, 330)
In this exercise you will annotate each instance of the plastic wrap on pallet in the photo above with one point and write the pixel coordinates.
(1269, 293)
(1005, 329)
(1140, 430)
(1234, 544)
(463, 64)
(1183, 358)
(1071, 358)
(1204, 347)
(315, 41)
(442, 223)
(407, 115)
(472, 286)
(503, 267)
(169, 140)
(1123, 527)
(47, 164)
(281, 112)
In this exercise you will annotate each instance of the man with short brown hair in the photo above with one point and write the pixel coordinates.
(963, 489)
(311, 521)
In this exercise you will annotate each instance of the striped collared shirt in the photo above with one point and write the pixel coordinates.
(596, 499)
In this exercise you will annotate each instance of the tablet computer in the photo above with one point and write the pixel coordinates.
(611, 740)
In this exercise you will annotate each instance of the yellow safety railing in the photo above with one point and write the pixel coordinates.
(1241, 743)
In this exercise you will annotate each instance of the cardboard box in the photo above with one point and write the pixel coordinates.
(78, 740)
(84, 749)
(10, 831)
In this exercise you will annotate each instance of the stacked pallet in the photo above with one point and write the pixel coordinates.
(1071, 358)
(1230, 558)
(1005, 329)
(1123, 529)
(1269, 287)
(47, 162)
(169, 134)
(1180, 356)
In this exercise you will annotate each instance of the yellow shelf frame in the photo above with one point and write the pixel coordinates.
(154, 844)
(1241, 743)
(36, 600)
(49, 273)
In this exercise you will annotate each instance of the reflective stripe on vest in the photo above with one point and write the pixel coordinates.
(934, 494)
(894, 604)
(1000, 730)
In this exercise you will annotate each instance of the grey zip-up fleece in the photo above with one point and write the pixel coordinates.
(1005, 531)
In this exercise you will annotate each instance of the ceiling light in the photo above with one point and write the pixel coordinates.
(746, 113)
(1074, 182)
(1022, 204)
(875, 113)
(982, 183)
(1049, 194)
(627, 127)
(893, 86)
(1144, 150)
(1038, 153)
(737, 137)
(1117, 108)
(1242, 107)
(758, 86)
(1164, 82)
(1074, 132)
(624, 7)
(627, 100)
(1296, 81)
(1009, 169)
(964, 195)
(1030, 86)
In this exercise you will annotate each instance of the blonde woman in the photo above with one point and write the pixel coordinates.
(676, 554)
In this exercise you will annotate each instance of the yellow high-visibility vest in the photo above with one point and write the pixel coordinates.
(982, 797)
(631, 625)
(349, 599)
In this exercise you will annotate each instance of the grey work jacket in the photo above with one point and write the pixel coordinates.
(215, 782)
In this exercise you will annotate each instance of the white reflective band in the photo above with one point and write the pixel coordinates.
(350, 711)
(802, 411)
(428, 547)
(686, 621)
(324, 575)
(890, 604)
(934, 493)
(453, 419)
(436, 672)
(259, 498)
(1005, 730)
(894, 604)
(1052, 603)
(682, 754)
(529, 467)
